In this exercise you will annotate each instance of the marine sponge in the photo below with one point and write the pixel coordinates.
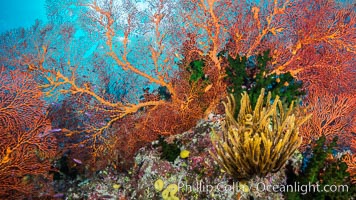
(170, 191)
(159, 184)
(257, 142)
(184, 154)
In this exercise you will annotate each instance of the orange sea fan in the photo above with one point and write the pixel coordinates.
(350, 160)
(26, 143)
(353, 145)
(332, 115)
(19, 99)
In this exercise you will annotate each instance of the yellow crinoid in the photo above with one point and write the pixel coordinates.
(258, 141)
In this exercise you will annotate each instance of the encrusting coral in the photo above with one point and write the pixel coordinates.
(257, 142)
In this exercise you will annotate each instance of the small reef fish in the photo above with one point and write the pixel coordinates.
(55, 130)
(88, 114)
(48, 130)
(77, 161)
(106, 197)
(58, 195)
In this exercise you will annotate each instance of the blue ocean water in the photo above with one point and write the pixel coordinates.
(20, 13)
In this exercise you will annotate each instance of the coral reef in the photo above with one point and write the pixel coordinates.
(126, 82)
(198, 176)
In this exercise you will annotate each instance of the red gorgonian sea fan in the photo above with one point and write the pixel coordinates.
(332, 115)
(26, 145)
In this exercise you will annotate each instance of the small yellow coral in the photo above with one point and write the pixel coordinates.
(169, 192)
(165, 194)
(244, 187)
(116, 186)
(159, 184)
(184, 154)
(172, 188)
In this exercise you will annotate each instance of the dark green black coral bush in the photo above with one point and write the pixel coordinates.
(322, 168)
(251, 75)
